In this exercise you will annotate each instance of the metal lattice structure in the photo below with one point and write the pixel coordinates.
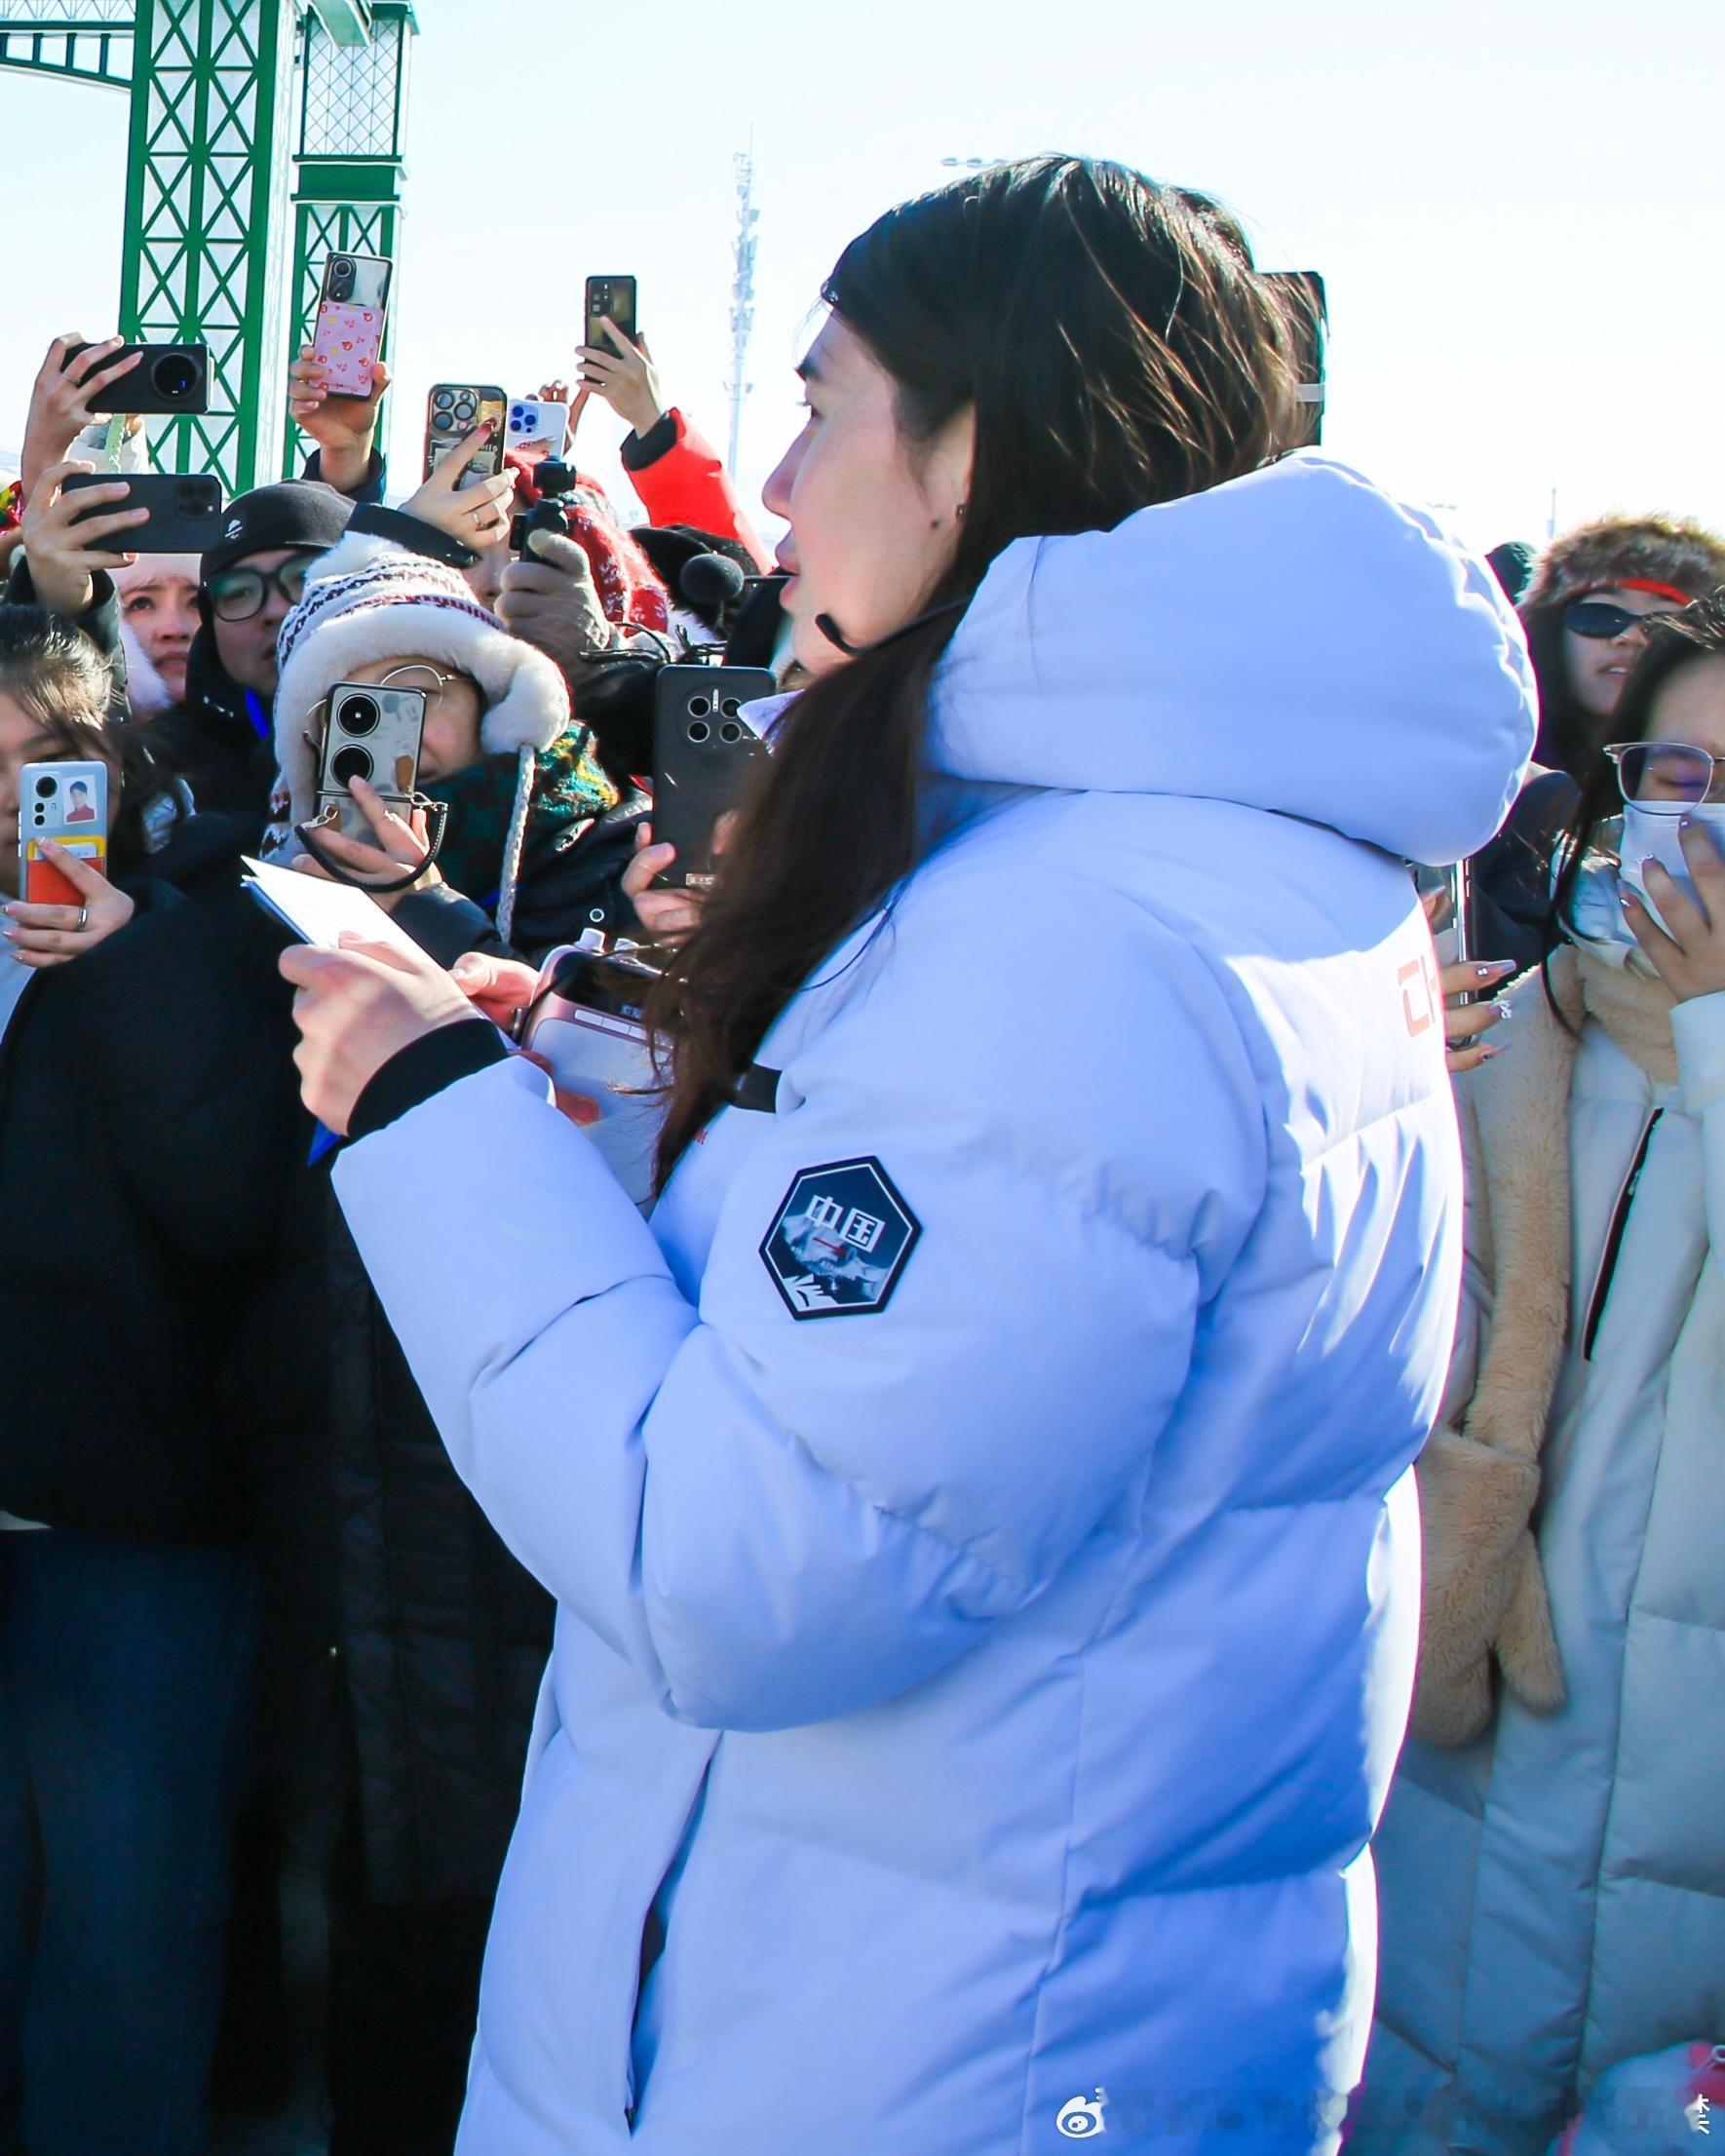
(353, 110)
(78, 40)
(206, 257)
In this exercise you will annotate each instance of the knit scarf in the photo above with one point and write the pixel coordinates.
(569, 789)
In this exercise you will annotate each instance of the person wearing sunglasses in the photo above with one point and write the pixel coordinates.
(1550, 1871)
(1586, 610)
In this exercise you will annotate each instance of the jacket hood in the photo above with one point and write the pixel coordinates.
(1295, 640)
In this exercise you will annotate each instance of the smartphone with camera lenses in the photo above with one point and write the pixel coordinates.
(168, 378)
(185, 509)
(703, 751)
(454, 409)
(372, 734)
(67, 802)
(613, 296)
(347, 340)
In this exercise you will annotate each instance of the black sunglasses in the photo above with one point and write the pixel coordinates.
(1598, 619)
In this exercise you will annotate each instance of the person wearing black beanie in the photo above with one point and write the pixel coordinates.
(220, 736)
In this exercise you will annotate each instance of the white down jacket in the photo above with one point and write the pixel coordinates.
(1554, 1892)
(979, 1501)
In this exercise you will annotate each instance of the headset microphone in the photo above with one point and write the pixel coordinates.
(830, 630)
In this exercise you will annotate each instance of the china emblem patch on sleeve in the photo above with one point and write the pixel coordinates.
(840, 1239)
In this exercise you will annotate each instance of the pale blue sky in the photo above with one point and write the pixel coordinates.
(1516, 207)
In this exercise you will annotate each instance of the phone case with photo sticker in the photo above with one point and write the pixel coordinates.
(67, 802)
(454, 409)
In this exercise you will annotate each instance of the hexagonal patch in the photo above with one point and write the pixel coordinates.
(839, 1240)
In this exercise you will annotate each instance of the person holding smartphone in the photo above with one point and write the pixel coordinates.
(146, 1111)
(979, 1500)
(1553, 1895)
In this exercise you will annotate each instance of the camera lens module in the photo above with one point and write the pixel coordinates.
(173, 377)
(358, 715)
(350, 763)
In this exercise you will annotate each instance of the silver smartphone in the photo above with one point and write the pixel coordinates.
(373, 734)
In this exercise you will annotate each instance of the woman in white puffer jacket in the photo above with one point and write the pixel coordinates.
(1552, 1858)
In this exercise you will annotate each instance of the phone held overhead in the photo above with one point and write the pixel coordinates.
(615, 298)
(347, 340)
(168, 379)
(185, 509)
(452, 412)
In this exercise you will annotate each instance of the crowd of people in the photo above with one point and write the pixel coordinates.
(1166, 1675)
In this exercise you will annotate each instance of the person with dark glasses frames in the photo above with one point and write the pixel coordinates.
(1551, 1890)
(1591, 595)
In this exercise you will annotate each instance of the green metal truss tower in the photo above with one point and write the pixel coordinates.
(208, 201)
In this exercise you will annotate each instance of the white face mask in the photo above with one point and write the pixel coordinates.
(1652, 834)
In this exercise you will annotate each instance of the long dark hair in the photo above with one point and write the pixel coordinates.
(1674, 641)
(1118, 350)
(57, 677)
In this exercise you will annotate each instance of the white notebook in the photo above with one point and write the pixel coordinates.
(319, 913)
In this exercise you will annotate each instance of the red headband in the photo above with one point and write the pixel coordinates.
(1645, 584)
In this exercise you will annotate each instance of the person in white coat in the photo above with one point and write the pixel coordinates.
(1552, 1858)
(978, 1500)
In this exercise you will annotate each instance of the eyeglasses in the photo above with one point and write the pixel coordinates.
(1598, 620)
(1666, 774)
(238, 594)
(427, 679)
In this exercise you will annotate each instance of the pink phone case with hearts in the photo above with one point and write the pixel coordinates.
(347, 344)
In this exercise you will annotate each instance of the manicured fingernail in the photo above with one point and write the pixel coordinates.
(1487, 1054)
(10, 935)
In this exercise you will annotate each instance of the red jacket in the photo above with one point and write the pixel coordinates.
(680, 480)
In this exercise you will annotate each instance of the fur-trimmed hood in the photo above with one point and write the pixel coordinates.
(368, 599)
(1612, 550)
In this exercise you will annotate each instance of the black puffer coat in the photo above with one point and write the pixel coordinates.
(149, 1127)
(431, 1631)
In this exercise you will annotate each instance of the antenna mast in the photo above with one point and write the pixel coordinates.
(743, 290)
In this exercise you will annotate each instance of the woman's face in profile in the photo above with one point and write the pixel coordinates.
(873, 518)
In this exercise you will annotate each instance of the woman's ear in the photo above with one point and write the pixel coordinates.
(947, 466)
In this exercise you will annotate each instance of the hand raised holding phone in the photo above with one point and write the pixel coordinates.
(67, 537)
(61, 401)
(624, 377)
(343, 425)
(478, 514)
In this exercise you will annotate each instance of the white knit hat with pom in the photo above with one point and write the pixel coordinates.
(368, 599)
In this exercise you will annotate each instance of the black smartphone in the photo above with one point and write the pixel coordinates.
(613, 296)
(185, 510)
(168, 378)
(702, 750)
(1308, 310)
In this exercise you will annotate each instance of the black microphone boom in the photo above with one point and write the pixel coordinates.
(830, 630)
